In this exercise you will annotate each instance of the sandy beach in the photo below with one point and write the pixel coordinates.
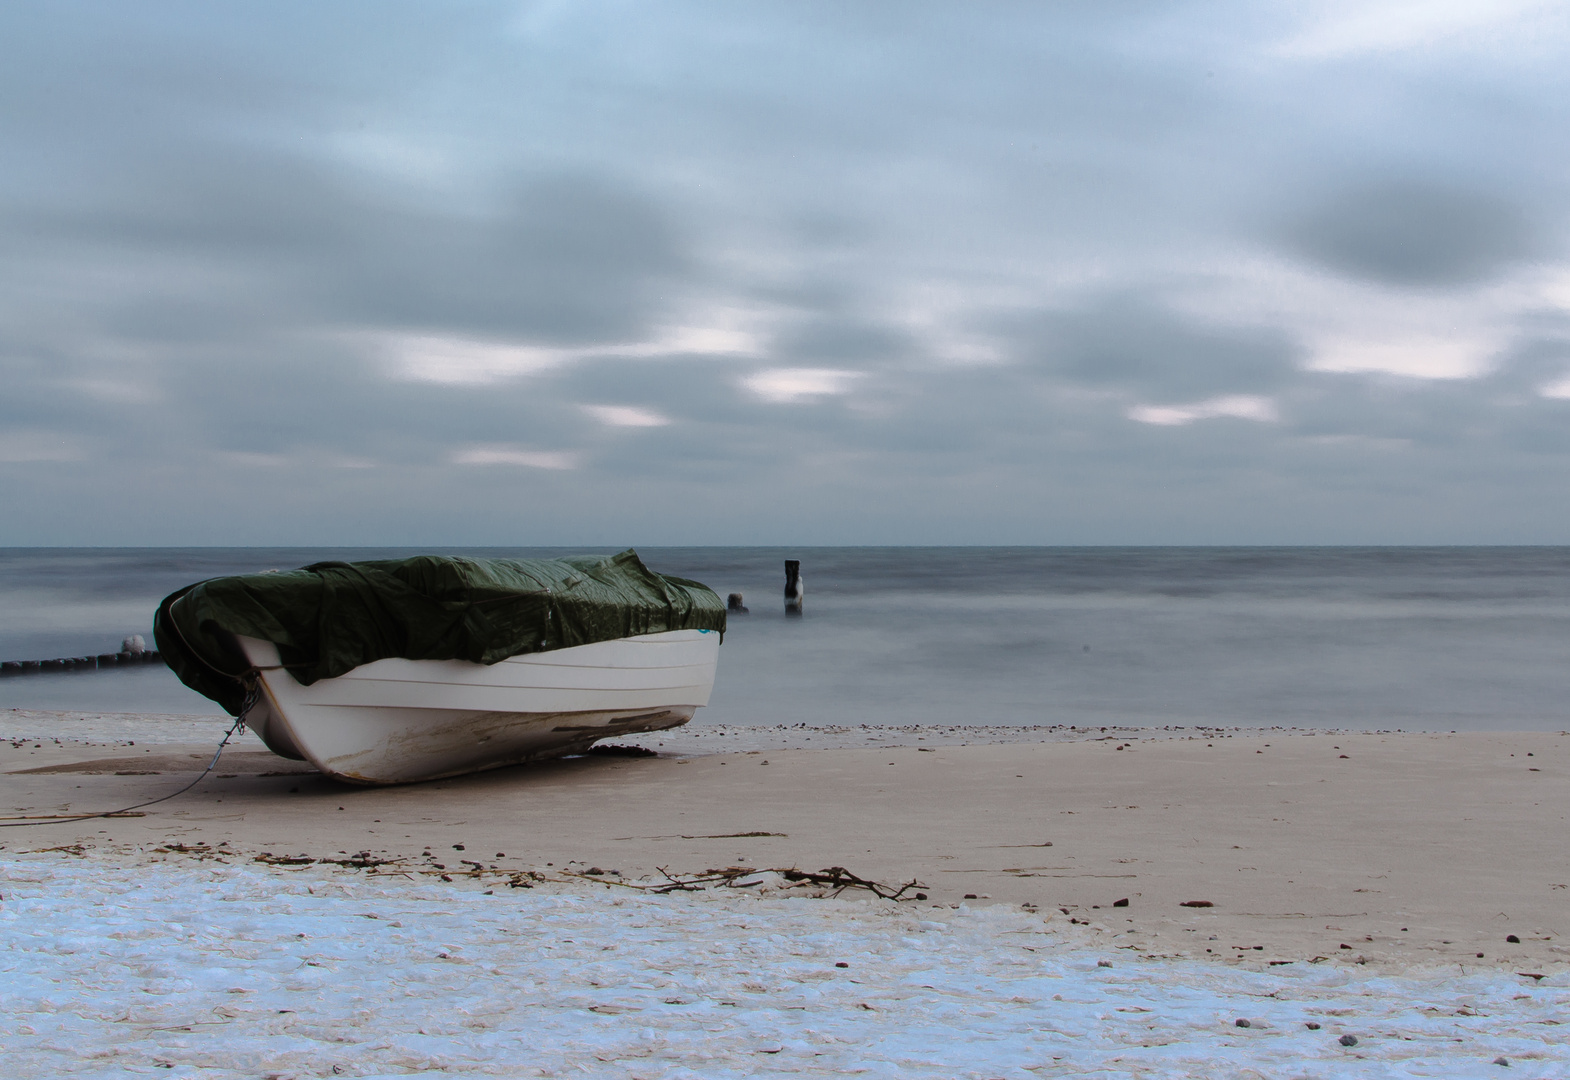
(1162, 904)
(1393, 850)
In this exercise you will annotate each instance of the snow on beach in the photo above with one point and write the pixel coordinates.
(114, 967)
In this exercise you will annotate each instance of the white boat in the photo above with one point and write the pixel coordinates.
(394, 721)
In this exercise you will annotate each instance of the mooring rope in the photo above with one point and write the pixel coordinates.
(253, 694)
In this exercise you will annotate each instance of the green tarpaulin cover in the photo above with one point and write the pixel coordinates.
(329, 617)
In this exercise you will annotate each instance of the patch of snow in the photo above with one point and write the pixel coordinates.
(109, 969)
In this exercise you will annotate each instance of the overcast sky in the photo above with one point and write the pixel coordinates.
(630, 273)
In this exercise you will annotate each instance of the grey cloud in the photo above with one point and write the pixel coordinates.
(1442, 414)
(572, 259)
(678, 387)
(841, 341)
(565, 258)
(1537, 360)
(1415, 233)
(1131, 343)
(193, 205)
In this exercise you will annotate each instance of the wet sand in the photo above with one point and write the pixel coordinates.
(1402, 850)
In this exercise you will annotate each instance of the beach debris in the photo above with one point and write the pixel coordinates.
(1103, 963)
(1312, 1025)
(730, 836)
(1243, 1022)
(1537, 975)
(363, 860)
(1120, 903)
(1196, 903)
(1502, 1060)
(836, 878)
(1347, 1040)
(1512, 939)
(766, 880)
(841, 964)
(620, 750)
(839, 879)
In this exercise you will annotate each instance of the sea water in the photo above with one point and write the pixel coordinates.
(1472, 639)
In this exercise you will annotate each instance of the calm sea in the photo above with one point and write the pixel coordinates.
(1413, 638)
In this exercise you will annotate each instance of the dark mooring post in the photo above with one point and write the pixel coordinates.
(734, 604)
(793, 588)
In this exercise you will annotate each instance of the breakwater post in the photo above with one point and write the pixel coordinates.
(734, 604)
(794, 591)
(133, 651)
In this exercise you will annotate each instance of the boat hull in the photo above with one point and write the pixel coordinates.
(397, 721)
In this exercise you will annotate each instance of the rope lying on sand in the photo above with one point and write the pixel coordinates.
(252, 695)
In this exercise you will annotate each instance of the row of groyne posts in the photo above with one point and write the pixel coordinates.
(795, 593)
(133, 652)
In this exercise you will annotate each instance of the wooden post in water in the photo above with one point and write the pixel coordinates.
(794, 592)
(735, 605)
